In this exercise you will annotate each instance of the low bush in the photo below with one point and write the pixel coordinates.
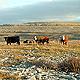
(70, 65)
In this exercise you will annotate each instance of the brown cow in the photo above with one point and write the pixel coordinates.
(64, 39)
(41, 39)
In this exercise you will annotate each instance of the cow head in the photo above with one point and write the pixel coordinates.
(5, 38)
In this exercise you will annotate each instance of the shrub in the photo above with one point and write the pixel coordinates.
(70, 65)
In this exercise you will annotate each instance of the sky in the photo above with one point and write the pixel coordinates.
(21, 11)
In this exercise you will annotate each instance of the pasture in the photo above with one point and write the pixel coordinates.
(11, 55)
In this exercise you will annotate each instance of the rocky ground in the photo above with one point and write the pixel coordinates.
(36, 62)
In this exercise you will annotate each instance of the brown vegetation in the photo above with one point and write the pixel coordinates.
(16, 53)
(70, 65)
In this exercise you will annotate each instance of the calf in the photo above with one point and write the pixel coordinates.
(26, 41)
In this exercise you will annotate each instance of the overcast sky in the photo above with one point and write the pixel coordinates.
(20, 11)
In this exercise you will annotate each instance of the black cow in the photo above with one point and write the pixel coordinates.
(26, 41)
(12, 39)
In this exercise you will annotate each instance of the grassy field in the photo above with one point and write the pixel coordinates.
(52, 30)
(15, 53)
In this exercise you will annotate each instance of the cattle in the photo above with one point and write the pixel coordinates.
(12, 39)
(30, 42)
(26, 41)
(64, 39)
(41, 39)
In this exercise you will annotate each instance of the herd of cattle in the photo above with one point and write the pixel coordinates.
(38, 39)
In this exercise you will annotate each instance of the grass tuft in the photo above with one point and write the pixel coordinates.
(70, 65)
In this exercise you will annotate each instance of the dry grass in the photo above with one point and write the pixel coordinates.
(7, 76)
(70, 65)
(52, 49)
(18, 52)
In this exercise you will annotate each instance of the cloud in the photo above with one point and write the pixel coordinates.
(42, 10)
(15, 3)
(71, 16)
(3, 2)
(77, 19)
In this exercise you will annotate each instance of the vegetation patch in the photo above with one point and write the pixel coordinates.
(70, 65)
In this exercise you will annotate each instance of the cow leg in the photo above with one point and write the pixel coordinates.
(36, 41)
(66, 43)
(18, 43)
(7, 43)
(42, 42)
(39, 42)
(10, 43)
(47, 41)
(63, 42)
